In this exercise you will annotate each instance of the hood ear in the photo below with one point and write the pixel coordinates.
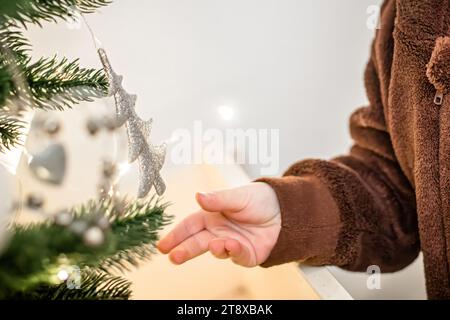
(438, 69)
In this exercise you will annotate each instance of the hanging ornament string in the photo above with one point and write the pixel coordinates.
(150, 157)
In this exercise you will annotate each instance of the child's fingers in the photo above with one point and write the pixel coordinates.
(223, 248)
(217, 248)
(185, 229)
(239, 253)
(191, 247)
(231, 200)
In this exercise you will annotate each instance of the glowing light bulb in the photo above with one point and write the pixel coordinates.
(63, 275)
(226, 112)
(124, 167)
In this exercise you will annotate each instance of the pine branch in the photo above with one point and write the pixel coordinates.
(38, 11)
(12, 38)
(53, 84)
(5, 85)
(135, 231)
(145, 227)
(10, 131)
(37, 252)
(94, 285)
(45, 84)
(60, 84)
(48, 84)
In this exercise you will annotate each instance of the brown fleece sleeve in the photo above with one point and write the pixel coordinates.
(356, 210)
(310, 224)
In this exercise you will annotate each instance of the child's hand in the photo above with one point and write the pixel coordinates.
(242, 224)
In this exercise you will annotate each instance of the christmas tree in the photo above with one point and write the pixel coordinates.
(100, 238)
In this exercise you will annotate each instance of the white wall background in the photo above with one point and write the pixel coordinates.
(291, 65)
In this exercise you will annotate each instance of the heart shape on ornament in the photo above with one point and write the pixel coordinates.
(50, 164)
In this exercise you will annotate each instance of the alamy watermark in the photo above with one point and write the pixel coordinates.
(373, 21)
(228, 146)
(373, 281)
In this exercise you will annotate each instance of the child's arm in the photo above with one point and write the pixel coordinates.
(353, 211)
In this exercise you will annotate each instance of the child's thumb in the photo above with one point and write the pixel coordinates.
(231, 200)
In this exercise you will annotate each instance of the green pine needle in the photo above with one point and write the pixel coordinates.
(10, 131)
(5, 85)
(49, 83)
(11, 37)
(58, 84)
(53, 84)
(145, 227)
(94, 285)
(135, 231)
(36, 252)
(38, 11)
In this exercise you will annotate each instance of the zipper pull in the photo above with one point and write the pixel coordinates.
(439, 98)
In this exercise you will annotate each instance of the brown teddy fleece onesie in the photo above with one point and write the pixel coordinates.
(390, 197)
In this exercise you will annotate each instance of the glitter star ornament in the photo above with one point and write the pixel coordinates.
(150, 157)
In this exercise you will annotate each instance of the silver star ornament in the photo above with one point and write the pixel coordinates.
(150, 157)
